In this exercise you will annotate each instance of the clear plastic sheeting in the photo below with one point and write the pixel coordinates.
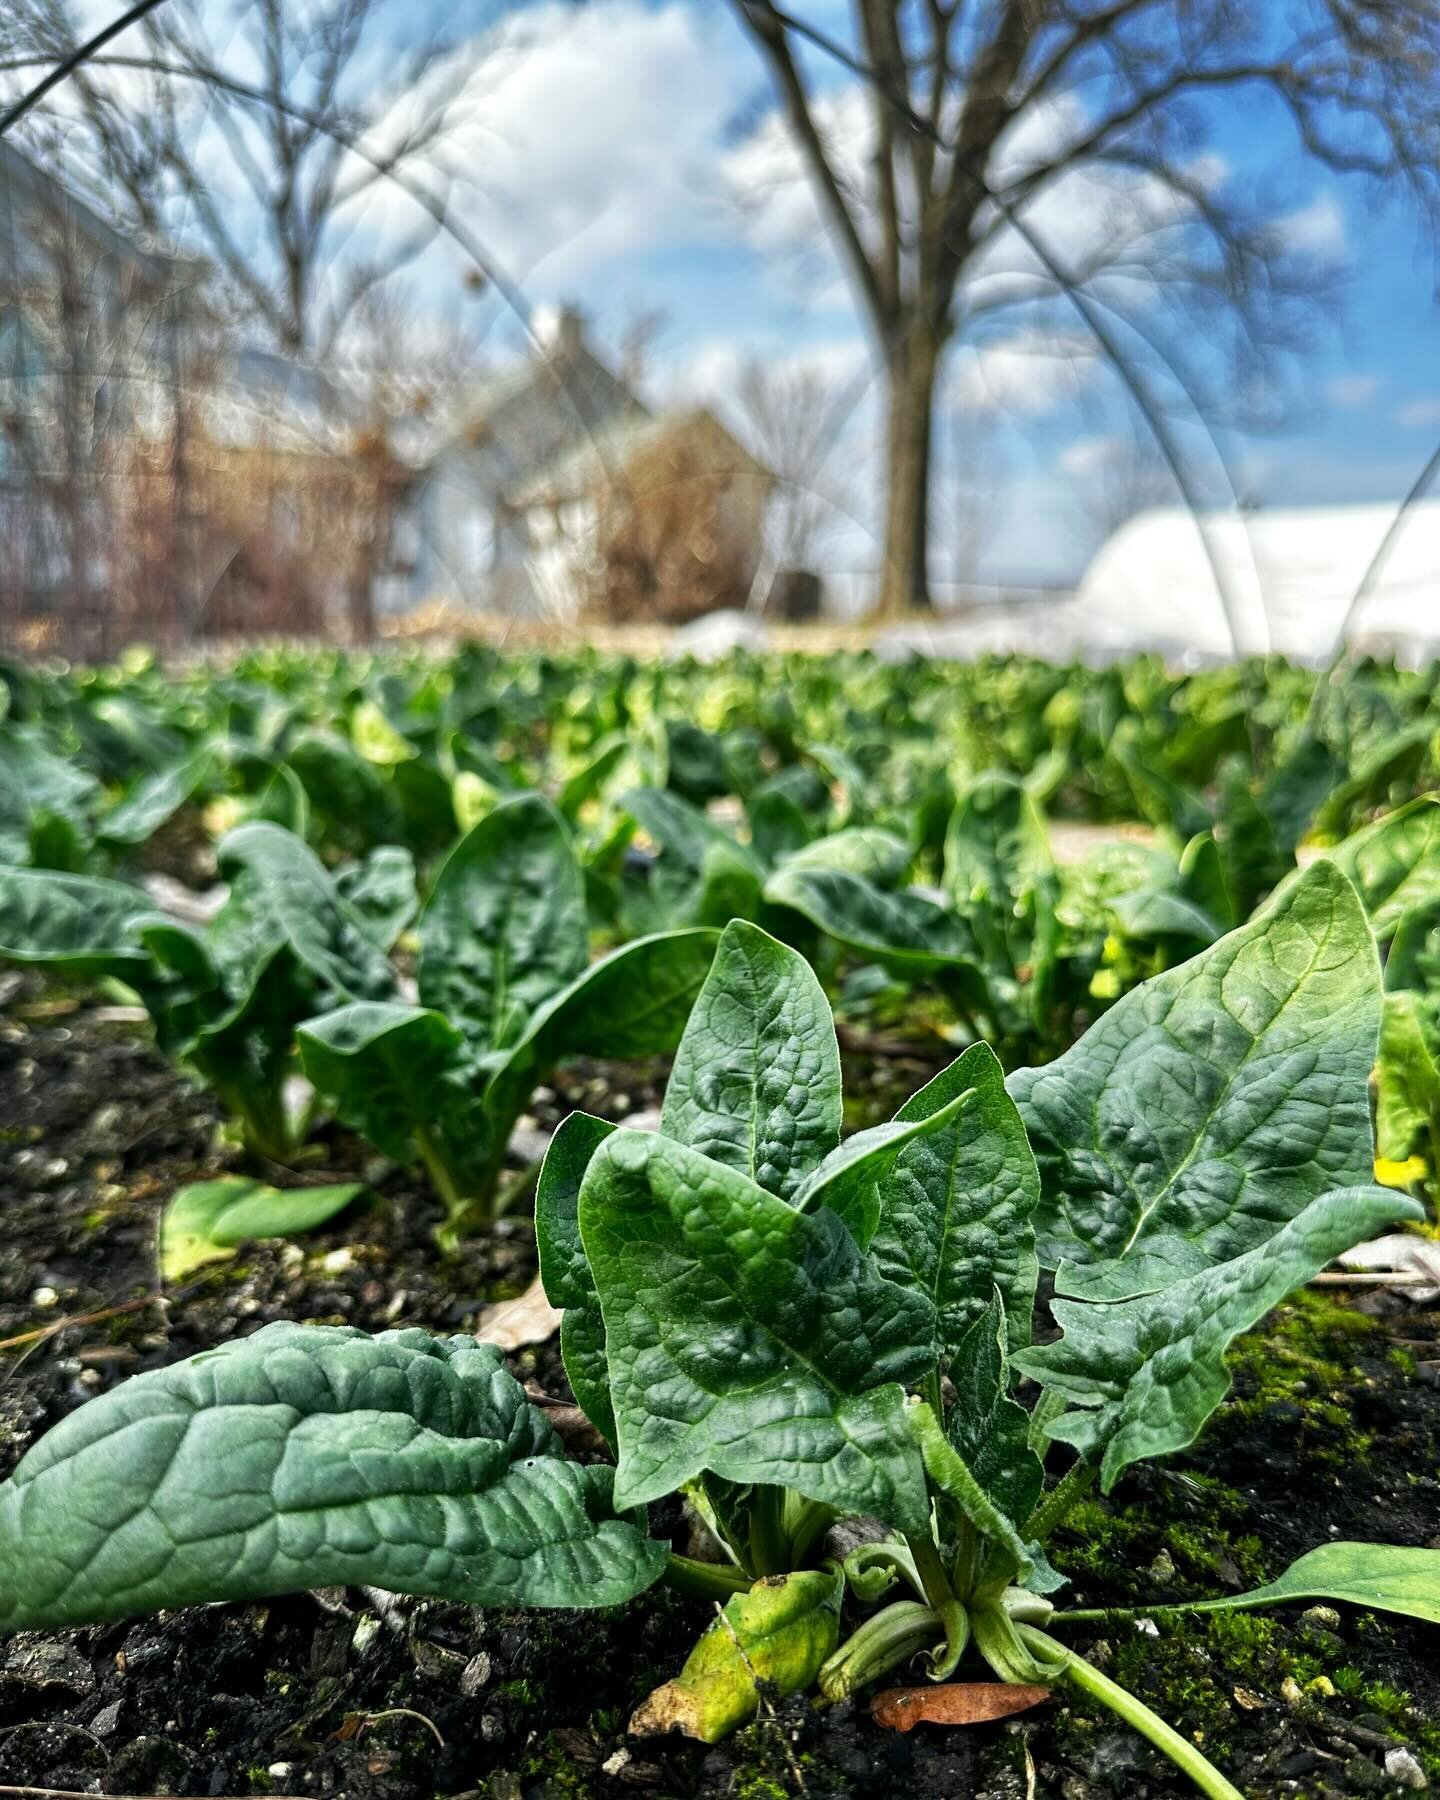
(1292, 574)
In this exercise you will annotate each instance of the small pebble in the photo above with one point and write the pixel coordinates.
(1401, 1766)
(475, 1674)
(279, 1771)
(1325, 1616)
(44, 1298)
(336, 1262)
(1147, 1628)
(612, 1765)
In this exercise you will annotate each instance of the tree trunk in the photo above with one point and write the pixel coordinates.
(910, 399)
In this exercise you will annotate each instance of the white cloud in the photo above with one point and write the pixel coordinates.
(1351, 391)
(1026, 374)
(1416, 413)
(1316, 230)
(589, 136)
(1089, 455)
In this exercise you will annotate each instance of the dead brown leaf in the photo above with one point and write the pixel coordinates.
(953, 1703)
(527, 1319)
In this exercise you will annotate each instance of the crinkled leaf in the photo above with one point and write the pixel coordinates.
(855, 1178)
(283, 899)
(986, 1428)
(565, 1269)
(1214, 1101)
(505, 929)
(380, 891)
(756, 1083)
(952, 1474)
(779, 1633)
(399, 1075)
(1395, 863)
(76, 922)
(206, 1221)
(955, 1220)
(747, 1338)
(1150, 1370)
(310, 1456)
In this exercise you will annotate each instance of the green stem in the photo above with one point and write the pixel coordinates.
(882, 1643)
(441, 1179)
(709, 1581)
(769, 1546)
(805, 1523)
(944, 1603)
(1053, 1510)
(1135, 1713)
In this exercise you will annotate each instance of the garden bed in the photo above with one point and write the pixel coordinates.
(1333, 1432)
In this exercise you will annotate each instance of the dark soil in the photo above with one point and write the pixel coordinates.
(1332, 1432)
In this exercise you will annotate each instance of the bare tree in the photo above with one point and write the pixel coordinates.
(290, 250)
(1013, 98)
(793, 415)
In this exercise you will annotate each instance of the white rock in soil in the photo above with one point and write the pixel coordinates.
(1401, 1766)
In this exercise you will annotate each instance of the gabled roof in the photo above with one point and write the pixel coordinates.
(600, 458)
(26, 188)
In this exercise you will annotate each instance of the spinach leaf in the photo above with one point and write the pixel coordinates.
(747, 1339)
(305, 1456)
(1215, 1101)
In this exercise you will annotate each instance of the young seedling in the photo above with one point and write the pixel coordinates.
(796, 1332)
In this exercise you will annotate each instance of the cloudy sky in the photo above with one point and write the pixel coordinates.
(624, 155)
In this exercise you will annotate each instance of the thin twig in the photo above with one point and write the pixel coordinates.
(1409, 1278)
(91, 1318)
(66, 68)
(49, 1793)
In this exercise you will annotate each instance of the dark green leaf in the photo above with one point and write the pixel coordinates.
(956, 1216)
(505, 929)
(1217, 1099)
(565, 1270)
(756, 1083)
(309, 1456)
(1150, 1370)
(747, 1338)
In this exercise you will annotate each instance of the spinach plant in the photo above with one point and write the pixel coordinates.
(289, 942)
(505, 991)
(798, 1332)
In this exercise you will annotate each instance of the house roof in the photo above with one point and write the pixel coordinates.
(597, 458)
(34, 187)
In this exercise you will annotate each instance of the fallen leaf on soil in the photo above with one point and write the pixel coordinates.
(953, 1703)
(1403, 1253)
(527, 1319)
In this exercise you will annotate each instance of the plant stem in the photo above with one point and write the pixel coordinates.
(1053, 1510)
(1135, 1713)
(709, 1581)
(943, 1602)
(441, 1179)
(884, 1641)
(769, 1546)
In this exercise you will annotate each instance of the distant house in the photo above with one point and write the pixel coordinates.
(561, 492)
(93, 328)
(157, 478)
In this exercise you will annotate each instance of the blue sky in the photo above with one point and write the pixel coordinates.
(617, 158)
